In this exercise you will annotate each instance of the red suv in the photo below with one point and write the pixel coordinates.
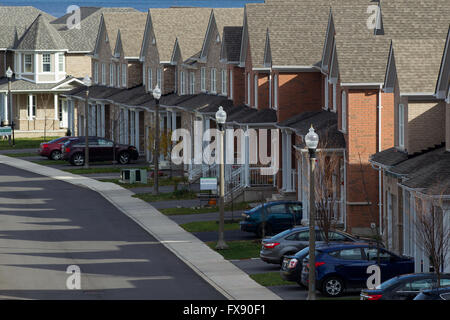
(100, 149)
(52, 149)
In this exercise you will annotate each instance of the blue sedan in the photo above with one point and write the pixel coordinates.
(344, 266)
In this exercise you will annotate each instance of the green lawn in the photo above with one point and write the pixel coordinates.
(271, 279)
(237, 250)
(177, 195)
(202, 226)
(24, 143)
(184, 211)
(48, 162)
(162, 182)
(22, 154)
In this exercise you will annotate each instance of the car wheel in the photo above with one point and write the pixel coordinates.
(268, 230)
(77, 159)
(124, 158)
(333, 287)
(56, 155)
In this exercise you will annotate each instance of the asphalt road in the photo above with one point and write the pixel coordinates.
(47, 225)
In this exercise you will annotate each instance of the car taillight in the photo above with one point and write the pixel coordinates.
(318, 264)
(45, 146)
(271, 245)
(67, 150)
(292, 263)
(374, 296)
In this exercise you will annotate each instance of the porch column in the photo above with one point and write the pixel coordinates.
(55, 104)
(103, 133)
(136, 130)
(5, 108)
(283, 161)
(174, 120)
(289, 182)
(126, 136)
(247, 158)
(99, 119)
(299, 181)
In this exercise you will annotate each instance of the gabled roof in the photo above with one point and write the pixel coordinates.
(417, 64)
(231, 44)
(15, 20)
(131, 20)
(221, 17)
(187, 25)
(40, 35)
(19, 85)
(362, 60)
(443, 84)
(131, 37)
(83, 39)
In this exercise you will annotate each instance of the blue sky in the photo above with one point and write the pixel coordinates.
(58, 7)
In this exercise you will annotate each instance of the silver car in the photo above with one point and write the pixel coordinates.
(293, 240)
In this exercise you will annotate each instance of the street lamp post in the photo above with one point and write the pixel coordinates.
(9, 74)
(312, 140)
(156, 96)
(87, 82)
(221, 117)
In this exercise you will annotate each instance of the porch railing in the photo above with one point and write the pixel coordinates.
(258, 179)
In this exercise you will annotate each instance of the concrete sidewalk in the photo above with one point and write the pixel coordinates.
(228, 279)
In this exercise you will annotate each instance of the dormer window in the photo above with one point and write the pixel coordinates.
(46, 62)
(61, 62)
(218, 38)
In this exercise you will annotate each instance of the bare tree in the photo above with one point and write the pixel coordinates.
(326, 189)
(432, 235)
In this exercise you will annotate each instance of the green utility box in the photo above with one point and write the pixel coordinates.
(133, 176)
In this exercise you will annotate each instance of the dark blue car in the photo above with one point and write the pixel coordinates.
(278, 216)
(342, 267)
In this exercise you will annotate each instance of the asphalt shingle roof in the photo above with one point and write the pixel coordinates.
(389, 157)
(418, 62)
(84, 39)
(18, 85)
(232, 39)
(41, 36)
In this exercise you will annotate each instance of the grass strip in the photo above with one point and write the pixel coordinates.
(21, 154)
(176, 195)
(202, 210)
(238, 250)
(24, 143)
(271, 279)
(203, 226)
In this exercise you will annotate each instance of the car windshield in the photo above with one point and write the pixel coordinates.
(302, 253)
(387, 283)
(56, 140)
(282, 234)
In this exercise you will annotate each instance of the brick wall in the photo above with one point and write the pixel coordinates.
(263, 90)
(238, 84)
(78, 65)
(298, 92)
(134, 77)
(426, 125)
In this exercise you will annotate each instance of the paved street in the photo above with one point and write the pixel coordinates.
(47, 225)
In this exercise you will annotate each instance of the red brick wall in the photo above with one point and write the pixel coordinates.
(298, 92)
(263, 90)
(238, 85)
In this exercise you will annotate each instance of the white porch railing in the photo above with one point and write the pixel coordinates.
(258, 179)
(234, 182)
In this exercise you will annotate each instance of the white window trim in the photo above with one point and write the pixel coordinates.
(344, 111)
(203, 79)
(231, 83)
(31, 114)
(144, 75)
(95, 72)
(327, 98)
(150, 79)
(63, 62)
(213, 81)
(47, 63)
(118, 75)
(111, 75)
(124, 75)
(182, 82)
(224, 82)
(334, 107)
(249, 91)
(255, 92)
(158, 78)
(103, 74)
(401, 125)
(192, 83)
(25, 63)
(275, 91)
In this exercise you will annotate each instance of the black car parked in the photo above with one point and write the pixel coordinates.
(404, 287)
(442, 293)
(100, 149)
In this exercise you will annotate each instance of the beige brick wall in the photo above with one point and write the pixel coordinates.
(78, 65)
(425, 125)
(213, 61)
(104, 56)
(45, 113)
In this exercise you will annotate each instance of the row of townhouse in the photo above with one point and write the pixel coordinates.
(415, 171)
(282, 65)
(48, 58)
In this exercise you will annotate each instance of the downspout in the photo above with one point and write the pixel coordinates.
(380, 198)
